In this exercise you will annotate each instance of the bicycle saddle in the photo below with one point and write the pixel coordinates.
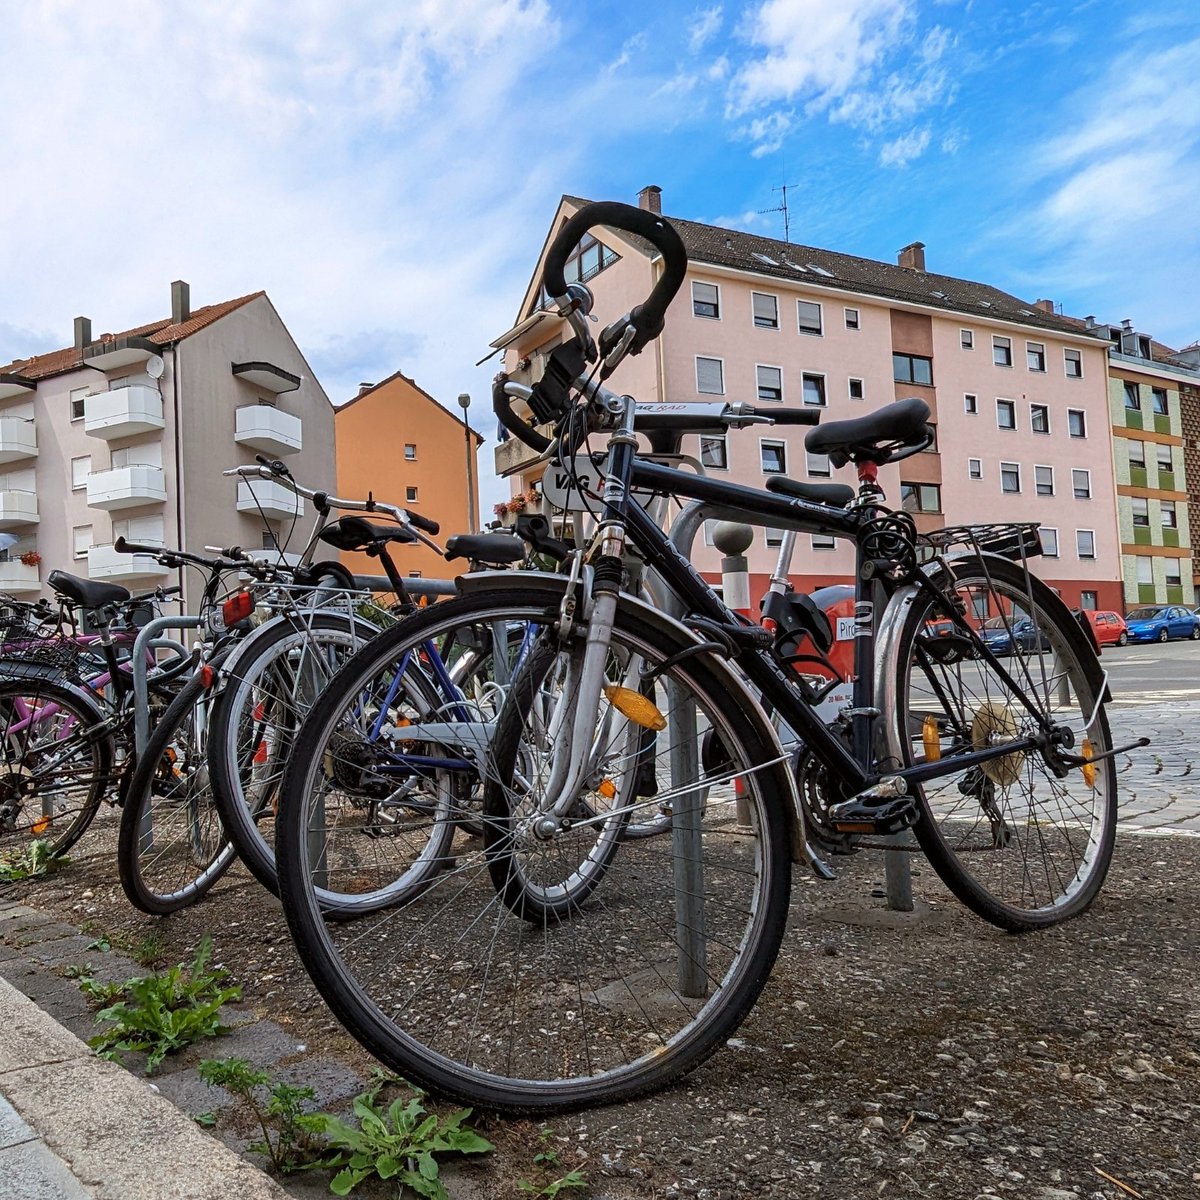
(839, 494)
(490, 548)
(355, 533)
(87, 593)
(880, 437)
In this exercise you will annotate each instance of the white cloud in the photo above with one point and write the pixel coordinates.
(703, 28)
(899, 152)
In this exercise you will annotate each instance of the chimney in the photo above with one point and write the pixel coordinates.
(1046, 306)
(650, 198)
(83, 332)
(181, 302)
(1090, 321)
(364, 387)
(912, 256)
(1127, 325)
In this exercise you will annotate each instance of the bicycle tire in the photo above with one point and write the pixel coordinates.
(172, 846)
(410, 983)
(33, 755)
(1021, 844)
(255, 719)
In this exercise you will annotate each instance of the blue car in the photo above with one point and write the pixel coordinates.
(1000, 632)
(1161, 622)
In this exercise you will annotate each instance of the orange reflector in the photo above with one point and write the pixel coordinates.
(607, 789)
(1088, 768)
(208, 676)
(260, 752)
(932, 739)
(41, 825)
(635, 706)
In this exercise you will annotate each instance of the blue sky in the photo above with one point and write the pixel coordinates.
(387, 172)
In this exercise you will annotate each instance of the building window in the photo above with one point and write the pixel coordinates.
(77, 398)
(770, 383)
(1081, 484)
(1145, 570)
(1158, 401)
(414, 574)
(589, 258)
(410, 451)
(81, 468)
(1163, 454)
(713, 455)
(933, 445)
(706, 300)
(81, 540)
(817, 464)
(774, 457)
(710, 376)
(851, 318)
(1072, 364)
(970, 404)
(975, 468)
(766, 310)
(1006, 414)
(921, 497)
(774, 536)
(808, 316)
(1088, 600)
(966, 339)
(1141, 511)
(814, 390)
(1043, 481)
(1039, 418)
(269, 540)
(1049, 542)
(1035, 356)
(410, 495)
(821, 542)
(1174, 572)
(1170, 519)
(912, 368)
(1077, 422)
(1133, 396)
(1002, 351)
(1137, 454)
(1010, 477)
(1085, 543)
(856, 389)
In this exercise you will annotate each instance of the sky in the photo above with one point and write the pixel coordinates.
(387, 172)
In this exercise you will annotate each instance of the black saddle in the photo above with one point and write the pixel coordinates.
(880, 437)
(839, 494)
(355, 533)
(495, 549)
(87, 593)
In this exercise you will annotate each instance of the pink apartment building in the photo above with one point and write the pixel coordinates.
(1018, 394)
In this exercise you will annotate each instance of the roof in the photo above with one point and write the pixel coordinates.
(161, 333)
(819, 268)
(375, 387)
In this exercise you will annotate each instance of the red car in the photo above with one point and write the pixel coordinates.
(1109, 627)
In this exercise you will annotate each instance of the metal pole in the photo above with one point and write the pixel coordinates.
(464, 401)
(733, 539)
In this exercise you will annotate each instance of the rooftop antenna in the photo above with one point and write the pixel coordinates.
(783, 208)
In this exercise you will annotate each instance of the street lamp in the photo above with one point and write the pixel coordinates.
(464, 401)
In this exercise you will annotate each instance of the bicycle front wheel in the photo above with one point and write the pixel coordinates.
(649, 967)
(1024, 839)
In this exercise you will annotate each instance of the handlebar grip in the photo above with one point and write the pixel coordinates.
(422, 523)
(521, 430)
(647, 317)
(121, 546)
(787, 416)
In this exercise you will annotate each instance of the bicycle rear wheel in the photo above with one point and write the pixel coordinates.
(1023, 840)
(639, 981)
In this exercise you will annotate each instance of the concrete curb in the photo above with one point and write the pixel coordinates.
(116, 1137)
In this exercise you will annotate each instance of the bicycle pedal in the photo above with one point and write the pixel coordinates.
(857, 816)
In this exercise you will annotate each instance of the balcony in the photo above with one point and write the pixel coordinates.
(105, 563)
(126, 487)
(18, 508)
(16, 578)
(265, 497)
(122, 412)
(264, 428)
(513, 455)
(18, 439)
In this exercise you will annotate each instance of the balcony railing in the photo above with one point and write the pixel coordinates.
(126, 487)
(122, 412)
(18, 439)
(268, 429)
(267, 498)
(18, 508)
(105, 563)
(17, 578)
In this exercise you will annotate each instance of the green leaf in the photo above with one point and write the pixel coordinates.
(206, 1120)
(387, 1165)
(346, 1179)
(427, 1165)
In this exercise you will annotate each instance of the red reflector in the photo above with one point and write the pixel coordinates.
(208, 676)
(237, 608)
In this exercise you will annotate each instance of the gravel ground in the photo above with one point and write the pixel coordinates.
(899, 1056)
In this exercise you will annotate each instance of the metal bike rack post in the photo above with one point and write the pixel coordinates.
(733, 539)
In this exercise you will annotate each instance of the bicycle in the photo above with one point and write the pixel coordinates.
(546, 970)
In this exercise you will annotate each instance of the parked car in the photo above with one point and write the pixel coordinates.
(1000, 632)
(1109, 627)
(1161, 622)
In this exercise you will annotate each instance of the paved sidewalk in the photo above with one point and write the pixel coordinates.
(73, 1125)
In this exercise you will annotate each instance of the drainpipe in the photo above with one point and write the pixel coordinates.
(176, 371)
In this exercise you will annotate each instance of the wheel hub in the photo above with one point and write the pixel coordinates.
(994, 724)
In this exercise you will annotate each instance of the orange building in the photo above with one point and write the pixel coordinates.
(397, 442)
